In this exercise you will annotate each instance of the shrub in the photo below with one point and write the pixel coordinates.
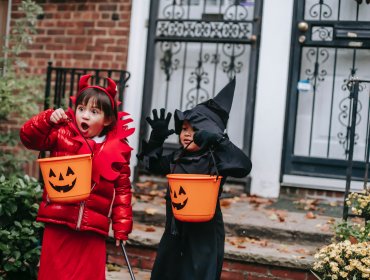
(19, 232)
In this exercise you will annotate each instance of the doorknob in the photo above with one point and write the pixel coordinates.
(303, 26)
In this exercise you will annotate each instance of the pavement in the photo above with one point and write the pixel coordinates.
(283, 232)
(123, 274)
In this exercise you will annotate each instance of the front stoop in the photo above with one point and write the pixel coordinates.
(256, 247)
(142, 258)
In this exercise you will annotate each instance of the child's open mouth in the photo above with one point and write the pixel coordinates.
(84, 126)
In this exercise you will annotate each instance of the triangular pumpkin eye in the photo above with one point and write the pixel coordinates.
(70, 171)
(181, 191)
(51, 173)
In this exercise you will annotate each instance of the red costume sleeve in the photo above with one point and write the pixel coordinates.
(38, 133)
(122, 209)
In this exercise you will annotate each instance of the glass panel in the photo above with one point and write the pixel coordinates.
(323, 111)
(338, 10)
(230, 9)
(321, 10)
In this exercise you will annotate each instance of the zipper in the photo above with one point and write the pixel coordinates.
(111, 204)
(47, 200)
(80, 213)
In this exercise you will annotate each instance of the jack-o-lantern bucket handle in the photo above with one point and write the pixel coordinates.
(74, 128)
(209, 167)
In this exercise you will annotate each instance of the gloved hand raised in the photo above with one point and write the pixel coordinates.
(205, 138)
(159, 126)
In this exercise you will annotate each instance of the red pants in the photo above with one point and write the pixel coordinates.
(71, 255)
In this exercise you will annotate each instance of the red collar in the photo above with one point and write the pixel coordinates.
(107, 153)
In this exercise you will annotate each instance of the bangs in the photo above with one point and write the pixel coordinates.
(99, 99)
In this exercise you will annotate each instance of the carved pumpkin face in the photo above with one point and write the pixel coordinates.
(62, 180)
(179, 199)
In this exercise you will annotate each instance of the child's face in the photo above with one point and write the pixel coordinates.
(90, 119)
(186, 136)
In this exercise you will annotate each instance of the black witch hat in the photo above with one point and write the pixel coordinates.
(211, 115)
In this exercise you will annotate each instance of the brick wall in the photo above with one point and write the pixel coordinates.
(80, 33)
(143, 258)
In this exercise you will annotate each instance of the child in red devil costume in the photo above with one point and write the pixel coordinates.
(73, 245)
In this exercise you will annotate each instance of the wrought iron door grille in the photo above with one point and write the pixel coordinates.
(331, 42)
(194, 49)
(236, 32)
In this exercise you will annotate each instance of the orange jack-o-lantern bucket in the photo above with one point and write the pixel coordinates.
(67, 179)
(193, 196)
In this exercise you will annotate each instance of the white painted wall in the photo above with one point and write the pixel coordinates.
(136, 65)
(271, 94)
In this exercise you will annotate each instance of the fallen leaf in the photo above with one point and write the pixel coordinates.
(113, 267)
(145, 198)
(273, 217)
(226, 202)
(302, 251)
(283, 249)
(151, 211)
(310, 215)
(150, 229)
(145, 184)
(353, 239)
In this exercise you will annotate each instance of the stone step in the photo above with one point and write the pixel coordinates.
(240, 248)
(245, 220)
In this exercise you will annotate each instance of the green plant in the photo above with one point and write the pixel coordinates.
(18, 89)
(359, 203)
(355, 232)
(19, 232)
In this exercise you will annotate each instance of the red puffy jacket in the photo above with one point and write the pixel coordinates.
(110, 199)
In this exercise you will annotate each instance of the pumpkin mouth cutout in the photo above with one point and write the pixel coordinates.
(179, 206)
(65, 188)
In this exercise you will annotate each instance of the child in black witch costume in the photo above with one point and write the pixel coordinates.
(189, 250)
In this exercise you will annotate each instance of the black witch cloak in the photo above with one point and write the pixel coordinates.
(195, 250)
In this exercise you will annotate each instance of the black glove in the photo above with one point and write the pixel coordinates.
(205, 138)
(159, 126)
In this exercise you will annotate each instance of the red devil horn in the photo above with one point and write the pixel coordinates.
(112, 87)
(83, 82)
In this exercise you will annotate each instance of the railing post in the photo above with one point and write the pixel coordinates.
(47, 87)
(353, 114)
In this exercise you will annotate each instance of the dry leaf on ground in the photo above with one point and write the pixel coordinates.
(150, 229)
(151, 211)
(310, 215)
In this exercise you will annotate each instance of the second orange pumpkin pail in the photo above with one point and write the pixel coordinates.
(193, 196)
(67, 179)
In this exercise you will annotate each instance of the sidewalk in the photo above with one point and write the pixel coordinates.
(123, 274)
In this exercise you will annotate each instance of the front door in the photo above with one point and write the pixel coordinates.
(331, 43)
(195, 47)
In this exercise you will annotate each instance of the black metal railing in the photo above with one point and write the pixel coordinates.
(354, 87)
(62, 83)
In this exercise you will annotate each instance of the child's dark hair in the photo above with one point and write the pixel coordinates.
(101, 101)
